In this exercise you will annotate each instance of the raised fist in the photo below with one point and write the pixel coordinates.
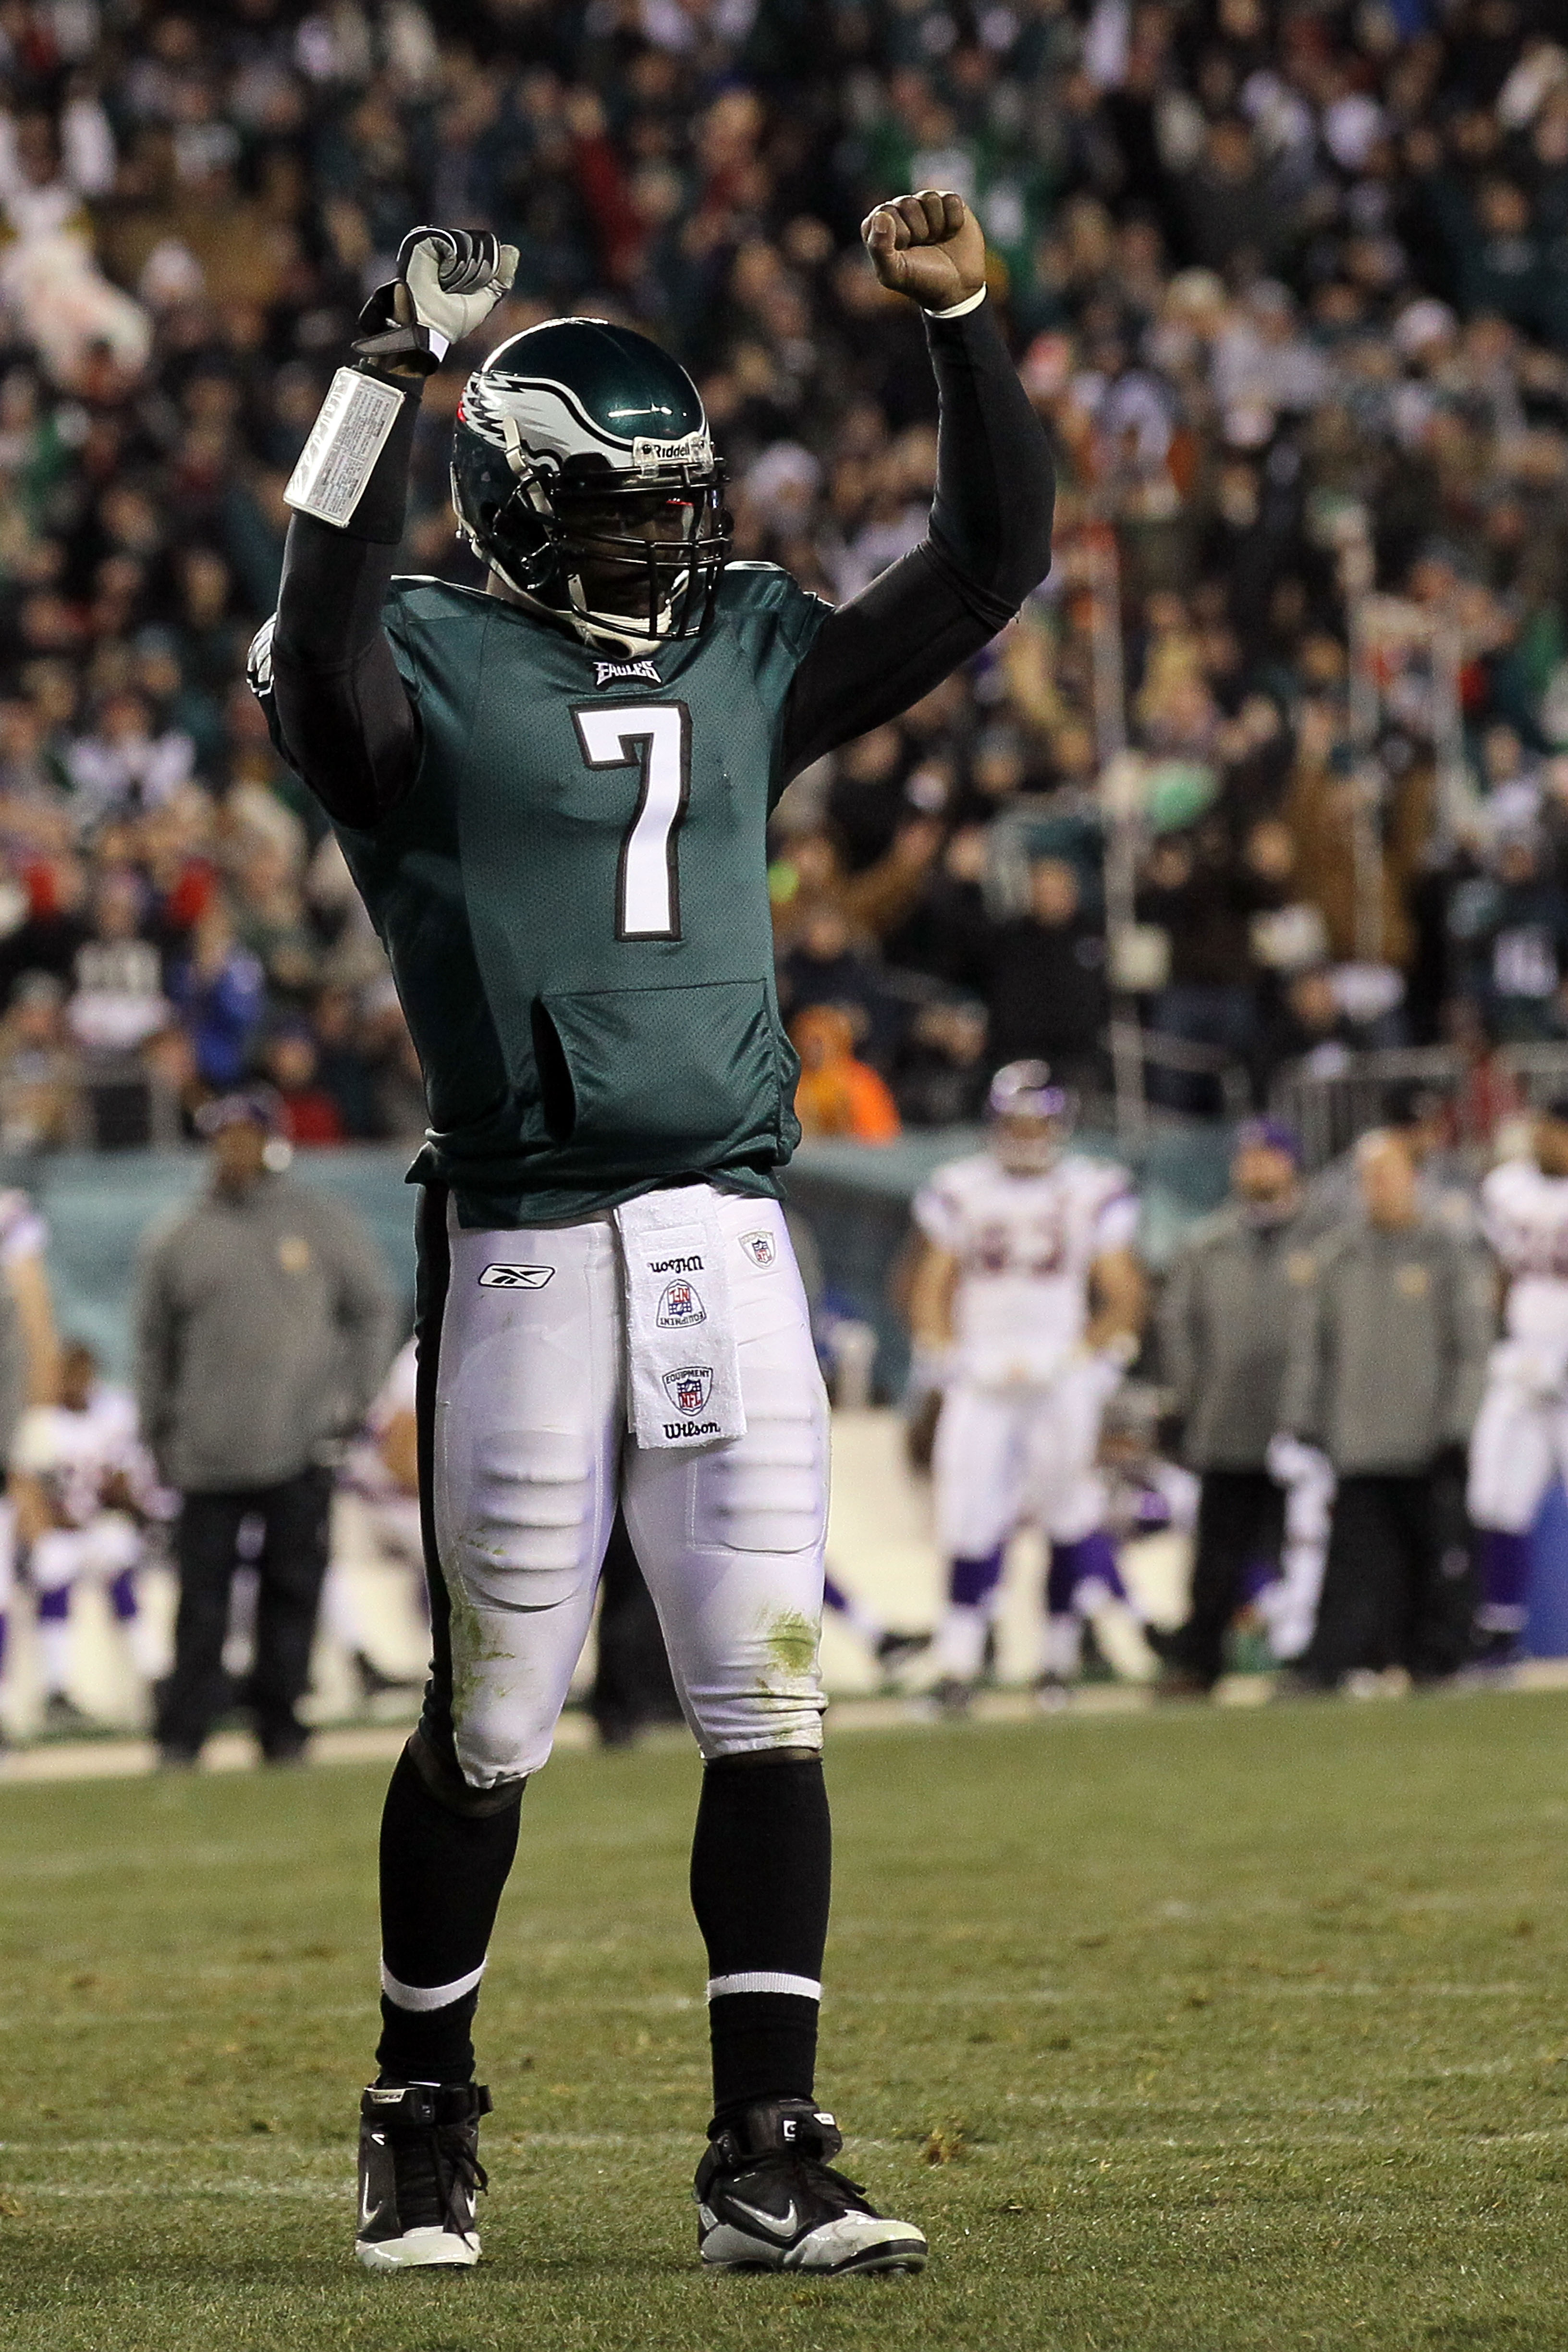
(929, 247)
(452, 278)
(449, 281)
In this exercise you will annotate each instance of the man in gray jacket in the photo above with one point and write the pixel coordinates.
(1387, 1360)
(264, 1324)
(1224, 1335)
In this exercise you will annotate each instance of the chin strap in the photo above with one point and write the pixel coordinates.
(594, 629)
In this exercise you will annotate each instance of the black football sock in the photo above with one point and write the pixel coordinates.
(442, 1872)
(762, 1865)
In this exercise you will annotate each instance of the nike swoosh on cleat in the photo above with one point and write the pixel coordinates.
(775, 2226)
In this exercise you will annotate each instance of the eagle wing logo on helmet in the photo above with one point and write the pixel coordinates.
(539, 420)
(544, 424)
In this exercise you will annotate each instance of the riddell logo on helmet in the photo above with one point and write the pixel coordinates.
(694, 450)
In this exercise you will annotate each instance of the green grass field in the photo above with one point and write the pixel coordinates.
(1230, 2028)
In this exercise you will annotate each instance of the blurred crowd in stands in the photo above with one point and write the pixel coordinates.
(1281, 748)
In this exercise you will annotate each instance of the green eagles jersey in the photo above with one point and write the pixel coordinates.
(573, 897)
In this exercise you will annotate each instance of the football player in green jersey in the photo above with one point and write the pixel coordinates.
(552, 794)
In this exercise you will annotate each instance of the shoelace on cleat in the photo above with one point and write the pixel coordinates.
(818, 2173)
(462, 2171)
(819, 2177)
(443, 2165)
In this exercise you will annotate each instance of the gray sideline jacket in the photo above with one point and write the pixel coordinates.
(13, 1373)
(1224, 1327)
(1388, 1348)
(264, 1325)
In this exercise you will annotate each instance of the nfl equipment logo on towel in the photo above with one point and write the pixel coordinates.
(760, 1248)
(675, 1266)
(689, 1388)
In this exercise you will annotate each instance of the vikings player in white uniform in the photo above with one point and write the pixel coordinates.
(1027, 1289)
(1521, 1438)
(29, 1373)
(84, 1487)
(381, 1468)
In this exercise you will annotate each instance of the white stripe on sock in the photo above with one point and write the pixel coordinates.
(764, 1980)
(419, 1997)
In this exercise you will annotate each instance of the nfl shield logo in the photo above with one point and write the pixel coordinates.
(689, 1389)
(760, 1248)
(680, 1307)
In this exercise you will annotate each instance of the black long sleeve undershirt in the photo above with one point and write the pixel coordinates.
(352, 732)
(988, 544)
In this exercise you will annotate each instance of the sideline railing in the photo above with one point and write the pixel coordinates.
(1330, 1109)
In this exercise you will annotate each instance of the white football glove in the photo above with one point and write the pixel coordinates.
(449, 281)
(455, 277)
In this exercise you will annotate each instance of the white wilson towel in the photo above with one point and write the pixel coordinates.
(683, 1373)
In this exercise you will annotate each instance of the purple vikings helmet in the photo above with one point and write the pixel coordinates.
(1030, 1117)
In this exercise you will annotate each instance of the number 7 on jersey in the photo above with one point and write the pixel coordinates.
(657, 737)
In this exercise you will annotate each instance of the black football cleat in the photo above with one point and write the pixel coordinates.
(419, 2174)
(766, 2200)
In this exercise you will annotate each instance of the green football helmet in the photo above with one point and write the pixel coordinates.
(583, 471)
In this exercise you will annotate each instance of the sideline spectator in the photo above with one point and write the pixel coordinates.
(1388, 1354)
(264, 1325)
(1224, 1329)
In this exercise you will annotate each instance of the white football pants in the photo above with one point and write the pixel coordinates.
(532, 1452)
(1520, 1442)
(1004, 1456)
(101, 1551)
